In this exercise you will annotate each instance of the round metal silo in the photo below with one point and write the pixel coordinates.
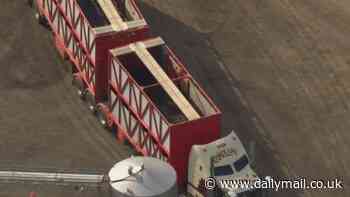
(143, 177)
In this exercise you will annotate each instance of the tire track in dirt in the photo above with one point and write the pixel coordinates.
(328, 65)
(253, 25)
(331, 65)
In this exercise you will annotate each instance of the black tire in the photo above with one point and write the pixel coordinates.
(114, 130)
(40, 18)
(102, 117)
(127, 143)
(90, 100)
(30, 3)
(79, 84)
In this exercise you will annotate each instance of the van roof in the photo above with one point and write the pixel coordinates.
(216, 150)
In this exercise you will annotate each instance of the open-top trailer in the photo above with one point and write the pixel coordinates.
(142, 92)
(84, 31)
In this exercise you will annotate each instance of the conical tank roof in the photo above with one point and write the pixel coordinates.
(143, 176)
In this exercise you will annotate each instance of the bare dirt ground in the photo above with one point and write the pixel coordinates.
(43, 123)
(277, 69)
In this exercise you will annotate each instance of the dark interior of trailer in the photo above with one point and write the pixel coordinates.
(165, 104)
(93, 13)
(140, 73)
(182, 84)
(136, 69)
(161, 55)
(120, 5)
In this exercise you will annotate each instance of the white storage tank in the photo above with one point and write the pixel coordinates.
(143, 177)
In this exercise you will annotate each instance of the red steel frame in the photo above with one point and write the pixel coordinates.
(78, 41)
(138, 120)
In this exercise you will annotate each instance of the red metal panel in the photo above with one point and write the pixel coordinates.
(109, 41)
(151, 110)
(59, 47)
(137, 133)
(184, 136)
(67, 36)
(138, 102)
(136, 8)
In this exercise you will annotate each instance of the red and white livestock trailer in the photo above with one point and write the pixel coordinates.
(84, 31)
(156, 105)
(133, 81)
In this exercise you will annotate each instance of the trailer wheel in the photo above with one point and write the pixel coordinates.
(42, 20)
(39, 17)
(90, 99)
(30, 3)
(102, 115)
(79, 84)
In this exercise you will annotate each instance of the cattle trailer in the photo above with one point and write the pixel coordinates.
(83, 32)
(132, 80)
